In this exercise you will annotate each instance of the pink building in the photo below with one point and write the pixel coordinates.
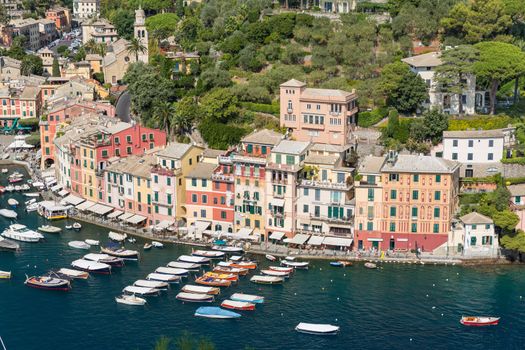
(318, 115)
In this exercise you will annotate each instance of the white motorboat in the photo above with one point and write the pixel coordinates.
(7, 244)
(151, 284)
(20, 232)
(184, 265)
(270, 257)
(5, 275)
(266, 279)
(69, 227)
(25, 187)
(163, 277)
(12, 202)
(8, 213)
(105, 258)
(141, 290)
(295, 264)
(32, 194)
(49, 229)
(157, 244)
(38, 184)
(126, 254)
(118, 237)
(9, 188)
(77, 226)
(194, 259)
(18, 188)
(370, 265)
(281, 269)
(79, 245)
(30, 201)
(189, 288)
(247, 298)
(4, 171)
(32, 207)
(172, 271)
(317, 329)
(130, 300)
(91, 242)
(195, 298)
(132, 240)
(71, 273)
(91, 266)
(275, 273)
(212, 254)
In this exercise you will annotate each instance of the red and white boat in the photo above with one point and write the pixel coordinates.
(478, 321)
(237, 305)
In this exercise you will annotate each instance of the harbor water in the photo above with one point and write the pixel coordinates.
(398, 306)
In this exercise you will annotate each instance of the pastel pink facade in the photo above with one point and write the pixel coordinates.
(318, 115)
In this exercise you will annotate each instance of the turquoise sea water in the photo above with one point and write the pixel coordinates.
(391, 308)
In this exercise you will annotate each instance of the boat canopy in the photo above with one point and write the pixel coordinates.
(277, 235)
(52, 206)
(115, 214)
(338, 241)
(63, 193)
(316, 240)
(73, 200)
(100, 209)
(136, 219)
(244, 233)
(85, 205)
(299, 239)
(125, 216)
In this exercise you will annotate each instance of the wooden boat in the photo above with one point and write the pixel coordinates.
(195, 298)
(214, 282)
(105, 258)
(370, 265)
(295, 264)
(8, 213)
(147, 246)
(270, 257)
(163, 277)
(121, 253)
(71, 273)
(49, 229)
(157, 244)
(6, 244)
(479, 321)
(194, 259)
(275, 273)
(234, 270)
(317, 329)
(189, 288)
(281, 269)
(184, 265)
(48, 283)
(172, 271)
(238, 305)
(92, 242)
(247, 298)
(91, 266)
(118, 237)
(250, 265)
(79, 245)
(151, 284)
(208, 254)
(5, 275)
(223, 276)
(227, 249)
(215, 312)
(130, 300)
(266, 279)
(12, 202)
(141, 291)
(77, 226)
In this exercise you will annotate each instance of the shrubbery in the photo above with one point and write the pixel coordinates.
(484, 123)
(220, 136)
(262, 108)
(368, 119)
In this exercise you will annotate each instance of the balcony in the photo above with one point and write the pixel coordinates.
(278, 195)
(326, 184)
(157, 169)
(335, 220)
(277, 214)
(280, 181)
(225, 160)
(285, 167)
(249, 159)
(222, 177)
(365, 183)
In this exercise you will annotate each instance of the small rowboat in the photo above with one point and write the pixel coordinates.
(92, 242)
(247, 298)
(5, 275)
(223, 276)
(121, 253)
(370, 265)
(237, 305)
(157, 244)
(71, 273)
(234, 270)
(215, 312)
(227, 249)
(295, 264)
(478, 321)
(184, 265)
(317, 329)
(151, 284)
(214, 282)
(195, 298)
(49, 229)
(130, 300)
(250, 265)
(12, 202)
(79, 245)
(340, 263)
(147, 246)
(15, 180)
(141, 290)
(281, 269)
(172, 271)
(275, 273)
(194, 259)
(69, 227)
(163, 278)
(118, 237)
(8, 213)
(208, 254)
(189, 288)
(91, 266)
(266, 279)
(77, 226)
(270, 257)
(48, 282)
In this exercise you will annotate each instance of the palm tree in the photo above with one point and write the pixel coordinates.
(163, 116)
(91, 46)
(135, 47)
(101, 49)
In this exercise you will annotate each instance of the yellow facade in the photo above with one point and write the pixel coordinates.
(89, 178)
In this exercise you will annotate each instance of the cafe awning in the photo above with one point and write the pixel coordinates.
(338, 241)
(316, 240)
(299, 239)
(277, 235)
(202, 225)
(100, 209)
(164, 224)
(125, 216)
(136, 219)
(73, 200)
(115, 214)
(85, 205)
(244, 233)
(277, 202)
(63, 193)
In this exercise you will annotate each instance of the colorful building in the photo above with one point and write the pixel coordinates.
(19, 103)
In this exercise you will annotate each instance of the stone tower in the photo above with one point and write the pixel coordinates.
(141, 33)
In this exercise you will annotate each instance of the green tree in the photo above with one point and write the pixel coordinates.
(215, 77)
(393, 124)
(4, 16)
(409, 94)
(430, 127)
(499, 198)
(453, 76)
(506, 220)
(514, 241)
(162, 25)
(61, 49)
(249, 59)
(219, 105)
(31, 64)
(135, 47)
(55, 68)
(498, 62)
(179, 7)
(123, 20)
(186, 111)
(163, 114)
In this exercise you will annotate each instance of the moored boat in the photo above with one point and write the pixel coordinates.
(19, 232)
(32, 207)
(281, 269)
(8, 213)
(223, 276)
(71, 273)
(79, 245)
(317, 329)
(266, 279)
(227, 249)
(270, 257)
(12, 202)
(370, 265)
(121, 253)
(77, 226)
(275, 273)
(91, 242)
(6, 244)
(163, 277)
(194, 259)
(105, 258)
(478, 321)
(141, 291)
(214, 282)
(130, 300)
(195, 298)
(118, 237)
(151, 284)
(91, 266)
(247, 298)
(215, 312)
(184, 265)
(295, 264)
(48, 283)
(238, 305)
(227, 269)
(49, 229)
(208, 254)
(132, 240)
(189, 288)
(5, 275)
(157, 244)
(172, 271)
(147, 246)
(69, 227)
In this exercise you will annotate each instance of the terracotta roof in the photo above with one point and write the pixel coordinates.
(293, 83)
